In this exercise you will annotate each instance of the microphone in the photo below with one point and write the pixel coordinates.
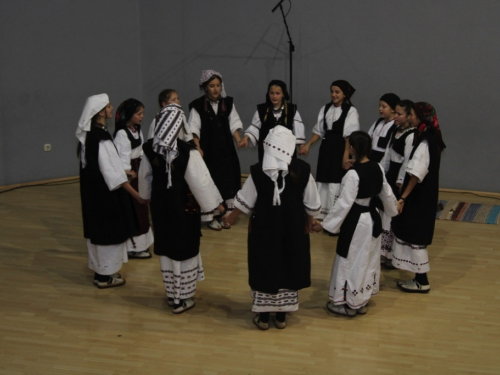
(277, 5)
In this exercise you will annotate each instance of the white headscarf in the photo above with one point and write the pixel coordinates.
(279, 147)
(169, 122)
(93, 105)
(207, 74)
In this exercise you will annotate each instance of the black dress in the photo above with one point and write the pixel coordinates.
(278, 240)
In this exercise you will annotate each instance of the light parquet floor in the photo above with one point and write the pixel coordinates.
(54, 321)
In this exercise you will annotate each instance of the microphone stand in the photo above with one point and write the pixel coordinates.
(291, 47)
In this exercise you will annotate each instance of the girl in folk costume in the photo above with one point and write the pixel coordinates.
(275, 111)
(356, 269)
(282, 198)
(336, 121)
(128, 140)
(382, 129)
(214, 121)
(108, 218)
(175, 178)
(169, 96)
(394, 163)
(414, 226)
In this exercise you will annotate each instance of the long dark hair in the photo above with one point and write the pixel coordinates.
(362, 144)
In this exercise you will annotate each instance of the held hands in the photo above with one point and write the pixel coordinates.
(347, 163)
(243, 143)
(303, 149)
(314, 225)
(142, 201)
(131, 175)
(401, 204)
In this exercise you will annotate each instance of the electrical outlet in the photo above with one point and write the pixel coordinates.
(47, 147)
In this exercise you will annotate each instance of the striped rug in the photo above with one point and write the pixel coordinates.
(468, 212)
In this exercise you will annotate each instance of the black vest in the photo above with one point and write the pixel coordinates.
(175, 212)
(108, 217)
(331, 151)
(370, 185)
(416, 223)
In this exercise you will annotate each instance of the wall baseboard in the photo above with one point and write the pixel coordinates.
(243, 178)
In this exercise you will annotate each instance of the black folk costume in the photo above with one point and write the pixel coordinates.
(175, 178)
(382, 130)
(266, 118)
(108, 220)
(394, 163)
(215, 123)
(381, 133)
(334, 125)
(128, 142)
(356, 269)
(279, 198)
(414, 226)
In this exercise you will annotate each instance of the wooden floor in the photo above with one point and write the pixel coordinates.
(54, 321)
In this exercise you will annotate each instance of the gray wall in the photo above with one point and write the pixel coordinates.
(54, 54)
(444, 52)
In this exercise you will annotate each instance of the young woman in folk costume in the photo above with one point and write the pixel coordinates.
(128, 140)
(214, 121)
(175, 178)
(336, 121)
(394, 163)
(169, 96)
(281, 196)
(108, 218)
(356, 269)
(382, 129)
(275, 111)
(414, 226)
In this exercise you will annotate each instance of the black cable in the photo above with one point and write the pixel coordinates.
(290, 1)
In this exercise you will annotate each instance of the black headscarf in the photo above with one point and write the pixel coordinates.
(124, 113)
(346, 88)
(277, 82)
(391, 99)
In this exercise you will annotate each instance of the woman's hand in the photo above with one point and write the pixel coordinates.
(304, 149)
(244, 142)
(347, 163)
(401, 204)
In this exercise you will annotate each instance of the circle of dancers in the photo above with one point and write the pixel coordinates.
(376, 191)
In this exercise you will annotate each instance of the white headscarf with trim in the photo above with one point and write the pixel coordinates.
(169, 122)
(207, 74)
(93, 105)
(279, 147)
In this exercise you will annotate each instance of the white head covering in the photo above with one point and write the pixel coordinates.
(169, 122)
(279, 147)
(93, 105)
(207, 74)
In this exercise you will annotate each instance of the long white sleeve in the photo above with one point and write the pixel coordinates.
(145, 179)
(348, 192)
(110, 165)
(201, 184)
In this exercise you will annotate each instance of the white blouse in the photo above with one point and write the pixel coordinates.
(348, 192)
(247, 196)
(379, 132)
(418, 166)
(197, 177)
(351, 122)
(253, 131)
(124, 147)
(195, 120)
(111, 166)
(391, 155)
